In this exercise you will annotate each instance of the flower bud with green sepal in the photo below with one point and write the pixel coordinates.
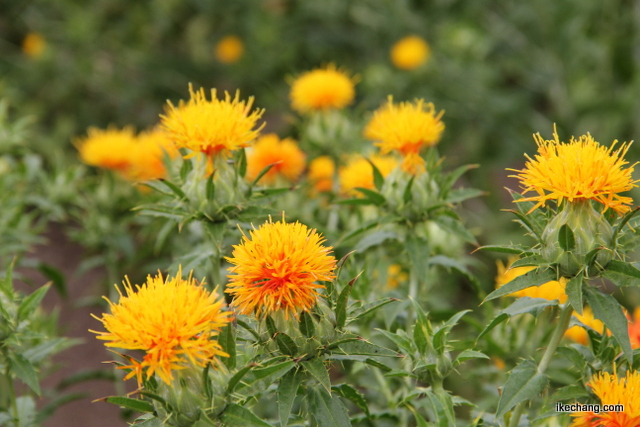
(572, 236)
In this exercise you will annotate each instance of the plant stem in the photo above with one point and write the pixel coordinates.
(563, 324)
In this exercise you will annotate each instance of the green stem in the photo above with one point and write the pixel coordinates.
(561, 328)
(12, 391)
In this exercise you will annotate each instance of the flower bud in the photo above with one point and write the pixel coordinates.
(588, 230)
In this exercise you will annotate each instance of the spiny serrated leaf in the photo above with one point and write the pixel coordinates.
(419, 254)
(286, 344)
(286, 394)
(625, 269)
(574, 292)
(327, 410)
(623, 221)
(524, 383)
(306, 325)
(520, 306)
(350, 393)
(374, 239)
(518, 250)
(369, 308)
(133, 404)
(607, 309)
(227, 340)
(341, 306)
(529, 261)
(24, 370)
(533, 278)
(318, 370)
(30, 303)
(469, 354)
(238, 416)
(365, 348)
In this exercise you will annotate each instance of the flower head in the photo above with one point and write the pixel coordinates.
(287, 158)
(612, 390)
(634, 329)
(212, 127)
(173, 320)
(229, 50)
(277, 267)
(322, 89)
(579, 170)
(395, 276)
(33, 45)
(579, 334)
(410, 52)
(321, 173)
(147, 156)
(358, 173)
(553, 290)
(406, 128)
(109, 149)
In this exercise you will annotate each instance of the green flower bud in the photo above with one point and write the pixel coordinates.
(568, 247)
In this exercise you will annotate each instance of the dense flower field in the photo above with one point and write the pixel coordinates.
(294, 237)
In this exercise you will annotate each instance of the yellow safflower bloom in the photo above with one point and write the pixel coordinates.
(109, 149)
(580, 170)
(212, 127)
(147, 157)
(578, 333)
(173, 320)
(554, 290)
(229, 49)
(410, 52)
(359, 173)
(321, 173)
(406, 128)
(322, 89)
(287, 159)
(395, 276)
(612, 390)
(276, 268)
(33, 45)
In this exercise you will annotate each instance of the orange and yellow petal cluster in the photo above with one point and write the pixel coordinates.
(396, 276)
(553, 290)
(322, 89)
(276, 269)
(287, 159)
(358, 173)
(410, 52)
(579, 334)
(212, 127)
(634, 329)
(229, 50)
(612, 390)
(406, 128)
(173, 320)
(580, 170)
(33, 45)
(136, 158)
(321, 173)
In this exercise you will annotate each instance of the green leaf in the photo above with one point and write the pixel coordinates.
(261, 174)
(456, 227)
(227, 340)
(242, 162)
(519, 306)
(378, 179)
(535, 277)
(447, 262)
(6, 285)
(286, 344)
(238, 416)
(55, 276)
(607, 309)
(165, 187)
(235, 379)
(246, 326)
(369, 308)
(365, 348)
(286, 394)
(443, 407)
(318, 370)
(49, 348)
(27, 413)
(624, 269)
(623, 221)
(469, 354)
(30, 303)
(375, 363)
(524, 383)
(341, 305)
(354, 201)
(271, 326)
(374, 239)
(24, 370)
(133, 404)
(406, 195)
(440, 335)
(529, 261)
(350, 393)
(211, 187)
(462, 194)
(518, 250)
(570, 392)
(375, 197)
(306, 325)
(574, 292)
(327, 410)
(566, 239)
(419, 253)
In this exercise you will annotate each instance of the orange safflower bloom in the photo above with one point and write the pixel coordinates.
(634, 329)
(322, 89)
(287, 159)
(321, 173)
(276, 268)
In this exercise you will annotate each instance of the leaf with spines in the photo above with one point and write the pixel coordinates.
(524, 383)
(535, 277)
(574, 292)
(306, 324)
(622, 273)
(286, 394)
(238, 416)
(327, 410)
(519, 306)
(316, 368)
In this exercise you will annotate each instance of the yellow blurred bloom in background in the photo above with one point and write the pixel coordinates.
(33, 45)
(276, 268)
(410, 52)
(287, 159)
(174, 320)
(212, 127)
(229, 50)
(359, 173)
(554, 290)
(147, 159)
(406, 128)
(322, 89)
(321, 173)
(578, 333)
(108, 149)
